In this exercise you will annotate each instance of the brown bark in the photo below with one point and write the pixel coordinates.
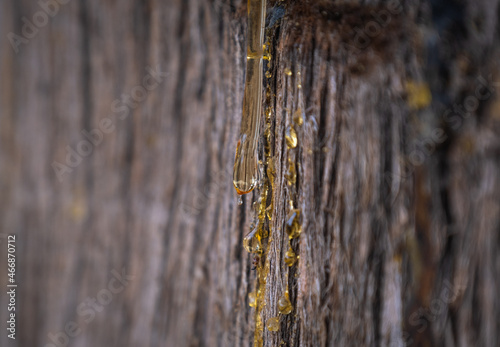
(398, 187)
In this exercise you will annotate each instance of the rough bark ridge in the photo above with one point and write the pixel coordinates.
(397, 173)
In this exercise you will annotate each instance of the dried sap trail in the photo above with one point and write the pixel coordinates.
(245, 172)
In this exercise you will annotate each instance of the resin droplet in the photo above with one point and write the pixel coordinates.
(240, 200)
(291, 137)
(299, 84)
(269, 113)
(290, 257)
(252, 299)
(297, 117)
(268, 74)
(245, 171)
(419, 95)
(293, 227)
(252, 242)
(284, 304)
(273, 324)
(291, 174)
(288, 72)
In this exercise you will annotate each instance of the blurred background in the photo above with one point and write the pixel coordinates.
(118, 127)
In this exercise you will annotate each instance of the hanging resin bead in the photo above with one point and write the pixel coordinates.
(245, 171)
(273, 324)
(284, 304)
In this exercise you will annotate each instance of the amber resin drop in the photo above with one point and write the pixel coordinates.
(245, 171)
(290, 257)
(252, 242)
(252, 299)
(273, 324)
(291, 137)
(284, 304)
(293, 227)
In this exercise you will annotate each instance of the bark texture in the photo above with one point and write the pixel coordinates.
(397, 163)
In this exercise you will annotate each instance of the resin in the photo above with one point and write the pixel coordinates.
(245, 171)
(284, 304)
(273, 324)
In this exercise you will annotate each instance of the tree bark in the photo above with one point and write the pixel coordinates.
(118, 128)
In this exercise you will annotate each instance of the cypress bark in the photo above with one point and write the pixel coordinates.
(118, 127)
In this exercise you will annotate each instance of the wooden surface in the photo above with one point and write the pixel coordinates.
(399, 196)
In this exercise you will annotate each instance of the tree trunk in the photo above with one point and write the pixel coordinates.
(119, 123)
